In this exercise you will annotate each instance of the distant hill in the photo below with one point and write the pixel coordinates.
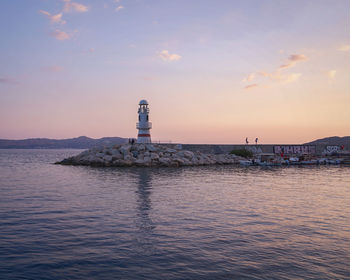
(81, 142)
(332, 141)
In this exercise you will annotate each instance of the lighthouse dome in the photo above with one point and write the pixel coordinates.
(143, 102)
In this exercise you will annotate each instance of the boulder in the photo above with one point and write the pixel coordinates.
(165, 161)
(139, 162)
(151, 148)
(170, 151)
(140, 147)
(147, 159)
(128, 157)
(135, 154)
(100, 155)
(188, 154)
(154, 156)
(116, 155)
(125, 149)
(179, 161)
(107, 158)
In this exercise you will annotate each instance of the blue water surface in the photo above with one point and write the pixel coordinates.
(214, 222)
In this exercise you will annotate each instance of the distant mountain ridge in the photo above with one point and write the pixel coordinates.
(332, 141)
(81, 142)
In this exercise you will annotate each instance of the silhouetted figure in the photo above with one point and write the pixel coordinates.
(246, 140)
(256, 141)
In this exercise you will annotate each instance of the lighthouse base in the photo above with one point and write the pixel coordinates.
(144, 139)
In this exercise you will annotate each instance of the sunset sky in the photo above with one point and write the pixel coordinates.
(212, 71)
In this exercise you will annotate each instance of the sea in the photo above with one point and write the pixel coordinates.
(210, 222)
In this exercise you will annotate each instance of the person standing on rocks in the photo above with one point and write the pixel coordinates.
(246, 140)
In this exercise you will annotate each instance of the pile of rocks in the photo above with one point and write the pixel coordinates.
(147, 155)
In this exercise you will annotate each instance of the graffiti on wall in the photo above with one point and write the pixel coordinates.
(295, 149)
(333, 149)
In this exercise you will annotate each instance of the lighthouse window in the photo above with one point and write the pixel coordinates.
(147, 117)
(139, 118)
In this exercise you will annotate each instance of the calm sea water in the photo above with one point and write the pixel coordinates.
(218, 222)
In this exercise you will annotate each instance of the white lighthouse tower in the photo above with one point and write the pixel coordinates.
(144, 135)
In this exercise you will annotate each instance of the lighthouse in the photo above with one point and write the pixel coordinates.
(144, 135)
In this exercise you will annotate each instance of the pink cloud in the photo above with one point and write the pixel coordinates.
(251, 86)
(120, 7)
(70, 6)
(60, 35)
(293, 60)
(166, 56)
(284, 78)
(54, 18)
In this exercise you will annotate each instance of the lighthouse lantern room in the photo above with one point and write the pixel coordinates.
(144, 126)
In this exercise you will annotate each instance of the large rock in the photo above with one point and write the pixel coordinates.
(179, 161)
(125, 149)
(140, 147)
(128, 157)
(188, 154)
(165, 161)
(170, 151)
(107, 158)
(154, 156)
(116, 155)
(151, 148)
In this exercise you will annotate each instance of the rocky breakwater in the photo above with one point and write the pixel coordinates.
(146, 155)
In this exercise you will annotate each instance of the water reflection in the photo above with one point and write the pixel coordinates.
(144, 222)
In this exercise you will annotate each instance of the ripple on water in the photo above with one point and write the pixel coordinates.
(217, 222)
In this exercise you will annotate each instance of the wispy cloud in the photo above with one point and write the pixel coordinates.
(53, 18)
(249, 78)
(88, 51)
(166, 56)
(291, 78)
(293, 60)
(70, 6)
(60, 35)
(280, 77)
(52, 68)
(331, 74)
(117, 9)
(7, 80)
(251, 86)
(344, 48)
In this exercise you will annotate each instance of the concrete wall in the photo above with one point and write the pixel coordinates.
(270, 148)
